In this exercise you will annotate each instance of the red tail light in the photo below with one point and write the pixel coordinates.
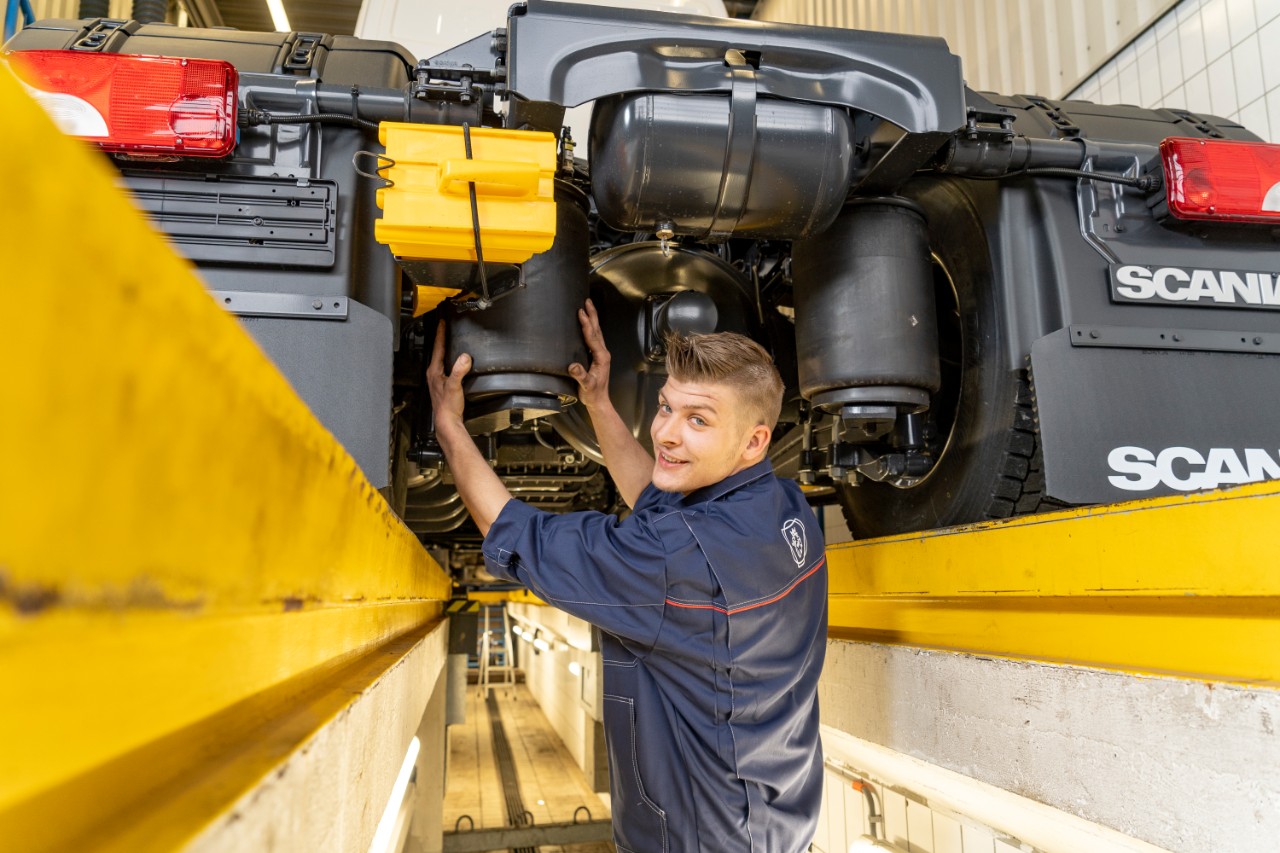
(152, 105)
(1221, 179)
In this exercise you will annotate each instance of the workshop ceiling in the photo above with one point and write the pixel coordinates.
(335, 17)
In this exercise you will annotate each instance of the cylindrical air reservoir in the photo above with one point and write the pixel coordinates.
(711, 165)
(524, 343)
(866, 329)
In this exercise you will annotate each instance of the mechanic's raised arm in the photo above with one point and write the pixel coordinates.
(628, 462)
(480, 488)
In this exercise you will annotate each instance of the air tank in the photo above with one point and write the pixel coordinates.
(866, 325)
(689, 164)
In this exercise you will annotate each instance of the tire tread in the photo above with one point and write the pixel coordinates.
(1020, 488)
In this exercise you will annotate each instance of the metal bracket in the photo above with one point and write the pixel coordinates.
(95, 41)
(496, 414)
(1203, 340)
(985, 146)
(246, 303)
(735, 181)
(1063, 125)
(1107, 210)
(378, 168)
(300, 54)
(988, 122)
(1200, 123)
(461, 73)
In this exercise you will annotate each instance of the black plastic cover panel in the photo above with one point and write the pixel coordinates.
(343, 370)
(341, 60)
(568, 54)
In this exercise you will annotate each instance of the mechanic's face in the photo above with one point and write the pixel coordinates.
(700, 436)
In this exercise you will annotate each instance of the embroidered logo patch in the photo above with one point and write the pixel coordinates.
(797, 540)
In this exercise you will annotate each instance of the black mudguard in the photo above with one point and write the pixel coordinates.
(1134, 398)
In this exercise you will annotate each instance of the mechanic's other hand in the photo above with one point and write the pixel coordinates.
(593, 384)
(447, 399)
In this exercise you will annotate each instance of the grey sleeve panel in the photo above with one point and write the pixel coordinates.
(612, 574)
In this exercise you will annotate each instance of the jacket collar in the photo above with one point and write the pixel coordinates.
(734, 481)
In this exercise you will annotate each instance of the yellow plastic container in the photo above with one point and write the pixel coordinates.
(427, 212)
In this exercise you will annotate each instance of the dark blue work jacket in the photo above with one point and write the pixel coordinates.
(713, 610)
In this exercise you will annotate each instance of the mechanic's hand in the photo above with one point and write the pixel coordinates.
(593, 384)
(447, 398)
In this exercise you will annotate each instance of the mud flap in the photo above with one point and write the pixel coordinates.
(1124, 423)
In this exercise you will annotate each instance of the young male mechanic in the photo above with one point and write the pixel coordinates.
(710, 596)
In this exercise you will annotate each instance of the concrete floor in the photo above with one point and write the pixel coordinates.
(551, 785)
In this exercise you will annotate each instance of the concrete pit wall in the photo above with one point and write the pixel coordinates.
(1058, 757)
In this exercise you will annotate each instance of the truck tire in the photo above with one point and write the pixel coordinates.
(981, 427)
(396, 493)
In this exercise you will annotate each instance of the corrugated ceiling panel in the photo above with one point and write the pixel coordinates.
(336, 17)
(1043, 47)
(1071, 49)
(71, 8)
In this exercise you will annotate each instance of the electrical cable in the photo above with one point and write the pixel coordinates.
(1146, 183)
(251, 117)
(1143, 183)
(485, 301)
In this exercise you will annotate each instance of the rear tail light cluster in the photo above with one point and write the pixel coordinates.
(1217, 179)
(142, 105)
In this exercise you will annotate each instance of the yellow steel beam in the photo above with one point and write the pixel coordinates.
(516, 596)
(1179, 585)
(178, 535)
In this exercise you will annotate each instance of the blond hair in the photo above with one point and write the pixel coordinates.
(734, 360)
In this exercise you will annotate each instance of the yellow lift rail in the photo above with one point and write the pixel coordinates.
(1180, 586)
(514, 596)
(187, 557)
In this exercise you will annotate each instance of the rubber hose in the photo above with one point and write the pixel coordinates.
(150, 11)
(95, 8)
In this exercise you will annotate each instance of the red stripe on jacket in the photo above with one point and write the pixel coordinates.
(731, 611)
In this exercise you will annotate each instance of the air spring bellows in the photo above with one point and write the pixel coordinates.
(866, 328)
(521, 346)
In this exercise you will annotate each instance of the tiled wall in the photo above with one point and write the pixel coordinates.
(1220, 57)
(909, 824)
